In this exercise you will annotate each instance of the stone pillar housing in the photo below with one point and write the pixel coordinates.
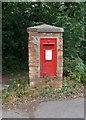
(35, 33)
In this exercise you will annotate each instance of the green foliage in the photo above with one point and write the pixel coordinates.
(71, 87)
(14, 37)
(20, 90)
(48, 91)
(74, 69)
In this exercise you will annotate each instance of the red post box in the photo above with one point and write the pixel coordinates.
(45, 52)
(48, 56)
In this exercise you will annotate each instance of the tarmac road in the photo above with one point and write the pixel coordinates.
(61, 109)
(15, 113)
(51, 109)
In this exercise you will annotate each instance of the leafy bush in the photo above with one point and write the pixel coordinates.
(74, 69)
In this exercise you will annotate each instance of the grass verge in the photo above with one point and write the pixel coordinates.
(20, 90)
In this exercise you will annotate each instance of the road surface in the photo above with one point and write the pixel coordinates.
(51, 109)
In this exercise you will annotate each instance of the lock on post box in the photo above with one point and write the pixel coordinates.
(48, 57)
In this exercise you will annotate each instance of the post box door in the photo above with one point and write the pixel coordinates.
(48, 57)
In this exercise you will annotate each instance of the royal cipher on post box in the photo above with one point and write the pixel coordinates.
(45, 52)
